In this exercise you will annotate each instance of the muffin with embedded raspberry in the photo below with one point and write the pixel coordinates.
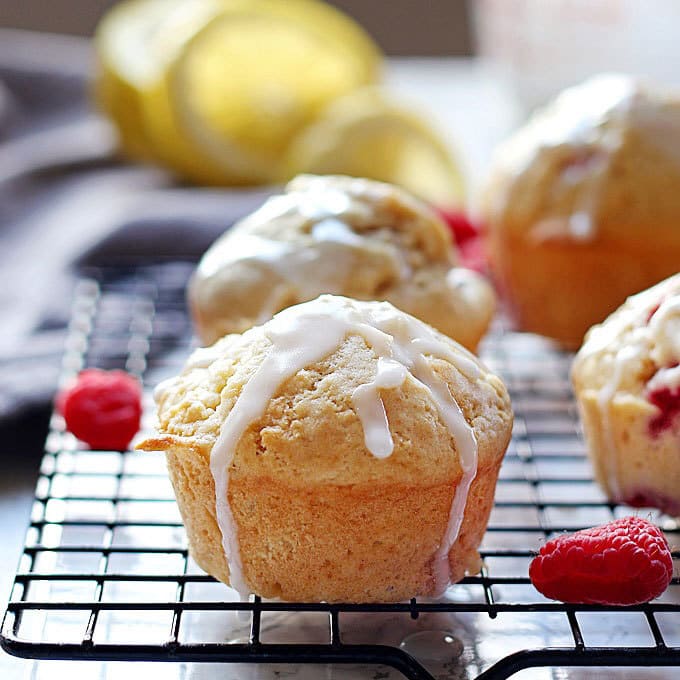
(627, 383)
(342, 451)
(582, 205)
(344, 236)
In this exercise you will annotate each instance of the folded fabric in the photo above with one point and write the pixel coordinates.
(67, 204)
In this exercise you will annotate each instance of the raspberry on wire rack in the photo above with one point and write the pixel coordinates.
(102, 408)
(624, 562)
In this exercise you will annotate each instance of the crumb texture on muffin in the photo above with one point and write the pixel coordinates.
(627, 383)
(586, 192)
(340, 235)
(342, 451)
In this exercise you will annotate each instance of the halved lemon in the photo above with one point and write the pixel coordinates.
(248, 80)
(126, 66)
(364, 134)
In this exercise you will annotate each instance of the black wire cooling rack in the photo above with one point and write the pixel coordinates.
(106, 574)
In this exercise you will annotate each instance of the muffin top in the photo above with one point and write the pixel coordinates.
(602, 160)
(339, 391)
(637, 348)
(340, 235)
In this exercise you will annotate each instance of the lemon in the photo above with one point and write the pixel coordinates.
(253, 75)
(126, 66)
(364, 134)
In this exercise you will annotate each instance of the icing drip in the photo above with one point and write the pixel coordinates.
(305, 334)
(336, 231)
(466, 445)
(665, 329)
(246, 246)
(370, 409)
(590, 122)
(322, 249)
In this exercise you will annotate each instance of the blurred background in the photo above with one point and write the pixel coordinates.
(145, 116)
(443, 25)
(531, 41)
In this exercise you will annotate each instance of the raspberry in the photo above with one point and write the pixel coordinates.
(624, 562)
(667, 400)
(651, 498)
(102, 408)
(472, 255)
(466, 234)
(460, 225)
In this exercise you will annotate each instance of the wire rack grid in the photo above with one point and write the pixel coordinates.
(106, 573)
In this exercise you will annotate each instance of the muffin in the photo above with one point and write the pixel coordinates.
(583, 205)
(345, 236)
(342, 451)
(627, 382)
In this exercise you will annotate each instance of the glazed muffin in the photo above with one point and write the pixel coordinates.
(345, 236)
(583, 205)
(343, 451)
(627, 382)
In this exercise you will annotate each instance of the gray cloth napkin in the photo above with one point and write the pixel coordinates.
(67, 202)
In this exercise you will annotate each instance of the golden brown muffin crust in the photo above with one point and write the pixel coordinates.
(318, 515)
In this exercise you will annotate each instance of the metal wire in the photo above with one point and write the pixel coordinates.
(97, 511)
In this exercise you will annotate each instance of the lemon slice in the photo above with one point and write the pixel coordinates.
(251, 78)
(126, 66)
(365, 135)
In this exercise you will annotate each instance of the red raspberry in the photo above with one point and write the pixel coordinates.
(472, 255)
(667, 400)
(624, 562)
(466, 234)
(651, 498)
(102, 408)
(462, 228)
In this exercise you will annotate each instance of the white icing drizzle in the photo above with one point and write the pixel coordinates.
(591, 118)
(336, 235)
(336, 231)
(665, 329)
(466, 445)
(307, 333)
(315, 198)
(320, 243)
(668, 378)
(247, 246)
(629, 335)
(323, 202)
(318, 199)
(370, 409)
